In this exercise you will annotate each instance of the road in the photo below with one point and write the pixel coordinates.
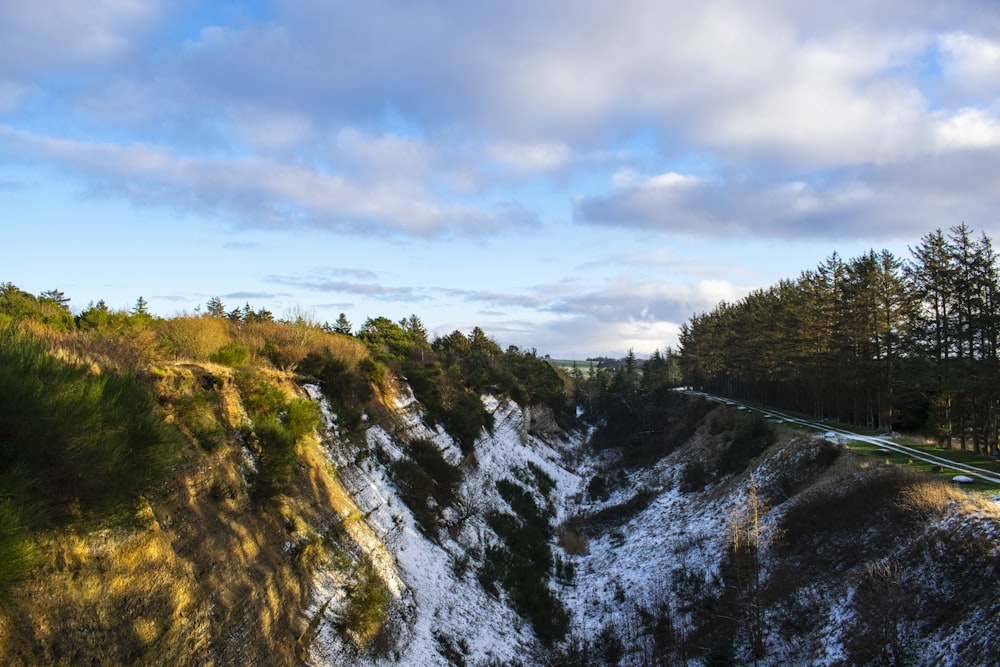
(843, 437)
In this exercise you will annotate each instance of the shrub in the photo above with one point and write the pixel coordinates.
(751, 436)
(197, 413)
(260, 397)
(20, 305)
(301, 417)
(597, 488)
(231, 354)
(194, 338)
(694, 477)
(16, 554)
(524, 563)
(572, 538)
(70, 438)
(427, 483)
(464, 418)
(277, 457)
(614, 516)
(367, 598)
(445, 476)
(416, 488)
(342, 384)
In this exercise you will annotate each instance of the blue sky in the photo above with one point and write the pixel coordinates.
(575, 177)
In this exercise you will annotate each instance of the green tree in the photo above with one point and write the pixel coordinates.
(215, 307)
(55, 296)
(385, 337)
(343, 325)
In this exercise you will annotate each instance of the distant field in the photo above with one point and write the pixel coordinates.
(567, 365)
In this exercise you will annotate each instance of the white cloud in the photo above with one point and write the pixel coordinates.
(971, 62)
(792, 107)
(530, 157)
(267, 192)
(968, 129)
(386, 156)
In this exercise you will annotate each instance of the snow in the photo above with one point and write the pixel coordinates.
(676, 537)
(441, 601)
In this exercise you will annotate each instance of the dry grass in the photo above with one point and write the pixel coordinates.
(131, 352)
(926, 497)
(203, 576)
(196, 338)
(289, 343)
(125, 586)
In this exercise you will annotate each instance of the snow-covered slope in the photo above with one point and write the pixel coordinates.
(647, 565)
(441, 609)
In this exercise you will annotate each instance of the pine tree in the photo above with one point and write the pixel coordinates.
(342, 325)
(55, 296)
(215, 307)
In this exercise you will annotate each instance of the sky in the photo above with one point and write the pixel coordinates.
(574, 177)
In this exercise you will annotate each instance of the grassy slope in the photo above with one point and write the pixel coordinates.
(198, 570)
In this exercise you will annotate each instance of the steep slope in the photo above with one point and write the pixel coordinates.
(732, 541)
(209, 570)
(443, 616)
(805, 555)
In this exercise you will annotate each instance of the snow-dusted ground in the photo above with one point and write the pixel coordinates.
(661, 553)
(443, 606)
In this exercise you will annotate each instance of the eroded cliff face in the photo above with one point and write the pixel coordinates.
(443, 614)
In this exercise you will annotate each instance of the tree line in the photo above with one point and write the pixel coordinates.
(877, 340)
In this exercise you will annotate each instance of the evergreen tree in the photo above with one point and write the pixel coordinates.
(342, 325)
(215, 307)
(56, 297)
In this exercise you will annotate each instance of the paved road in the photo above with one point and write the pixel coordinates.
(843, 437)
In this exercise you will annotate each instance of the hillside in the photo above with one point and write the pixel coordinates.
(323, 514)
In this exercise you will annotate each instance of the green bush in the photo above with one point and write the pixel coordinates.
(367, 598)
(260, 397)
(694, 477)
(416, 489)
(445, 476)
(71, 440)
(347, 389)
(597, 488)
(524, 563)
(464, 418)
(301, 417)
(19, 305)
(16, 554)
(277, 457)
(231, 354)
(751, 436)
(427, 483)
(197, 413)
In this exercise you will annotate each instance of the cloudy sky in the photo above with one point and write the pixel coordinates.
(575, 176)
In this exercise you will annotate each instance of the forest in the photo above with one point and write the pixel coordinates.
(879, 341)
